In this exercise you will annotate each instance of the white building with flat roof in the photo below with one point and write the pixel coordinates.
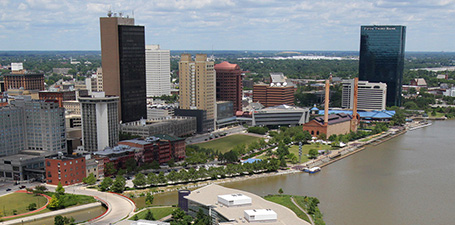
(371, 96)
(157, 71)
(212, 198)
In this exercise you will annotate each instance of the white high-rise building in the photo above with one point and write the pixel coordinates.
(100, 127)
(371, 96)
(157, 71)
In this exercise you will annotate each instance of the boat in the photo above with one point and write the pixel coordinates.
(314, 169)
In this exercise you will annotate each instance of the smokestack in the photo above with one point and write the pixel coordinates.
(354, 108)
(326, 103)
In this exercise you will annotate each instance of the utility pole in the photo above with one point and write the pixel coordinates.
(300, 152)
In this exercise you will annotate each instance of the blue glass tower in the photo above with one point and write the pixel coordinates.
(382, 58)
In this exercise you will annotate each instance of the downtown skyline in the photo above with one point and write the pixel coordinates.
(226, 25)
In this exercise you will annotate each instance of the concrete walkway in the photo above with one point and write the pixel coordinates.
(52, 214)
(298, 206)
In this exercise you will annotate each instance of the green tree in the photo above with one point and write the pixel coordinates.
(149, 199)
(109, 169)
(283, 162)
(171, 162)
(152, 179)
(202, 218)
(280, 191)
(54, 203)
(118, 186)
(149, 215)
(59, 220)
(31, 207)
(131, 165)
(39, 189)
(313, 153)
(105, 184)
(60, 190)
(282, 149)
(140, 180)
(135, 217)
(155, 165)
(90, 179)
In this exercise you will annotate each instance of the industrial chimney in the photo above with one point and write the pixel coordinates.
(355, 117)
(326, 103)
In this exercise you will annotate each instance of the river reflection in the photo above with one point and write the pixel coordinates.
(407, 180)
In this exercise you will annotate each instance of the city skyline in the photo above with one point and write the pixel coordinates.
(205, 25)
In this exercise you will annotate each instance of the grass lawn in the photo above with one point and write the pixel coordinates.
(19, 202)
(73, 200)
(285, 200)
(226, 144)
(158, 212)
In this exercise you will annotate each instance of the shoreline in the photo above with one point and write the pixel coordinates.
(322, 161)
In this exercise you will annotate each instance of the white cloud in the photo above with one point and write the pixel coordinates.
(229, 24)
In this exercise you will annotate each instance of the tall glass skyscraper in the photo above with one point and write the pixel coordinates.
(382, 58)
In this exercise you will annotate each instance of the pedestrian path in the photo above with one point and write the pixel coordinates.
(298, 206)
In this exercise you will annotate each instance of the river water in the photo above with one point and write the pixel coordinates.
(407, 180)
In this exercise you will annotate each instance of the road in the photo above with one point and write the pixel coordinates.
(202, 137)
(119, 207)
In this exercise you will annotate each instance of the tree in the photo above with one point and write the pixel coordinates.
(202, 218)
(109, 169)
(283, 162)
(39, 189)
(54, 203)
(131, 165)
(58, 220)
(105, 184)
(149, 199)
(313, 153)
(280, 191)
(149, 215)
(155, 165)
(287, 140)
(60, 190)
(322, 136)
(171, 162)
(90, 179)
(152, 179)
(139, 180)
(282, 149)
(31, 207)
(118, 186)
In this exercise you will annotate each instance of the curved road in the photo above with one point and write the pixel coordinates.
(119, 207)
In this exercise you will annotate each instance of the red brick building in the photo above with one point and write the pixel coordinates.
(26, 81)
(60, 96)
(229, 85)
(339, 123)
(67, 170)
(273, 95)
(178, 146)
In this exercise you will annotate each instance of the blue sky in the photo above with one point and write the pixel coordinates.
(227, 24)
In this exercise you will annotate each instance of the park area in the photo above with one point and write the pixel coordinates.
(227, 143)
(18, 203)
(294, 149)
(157, 212)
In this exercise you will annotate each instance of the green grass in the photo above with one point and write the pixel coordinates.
(226, 144)
(74, 200)
(158, 212)
(285, 200)
(305, 149)
(19, 202)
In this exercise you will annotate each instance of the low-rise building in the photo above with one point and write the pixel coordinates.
(231, 206)
(23, 166)
(280, 115)
(339, 123)
(176, 126)
(66, 170)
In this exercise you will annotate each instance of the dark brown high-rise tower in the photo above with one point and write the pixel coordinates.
(229, 84)
(123, 63)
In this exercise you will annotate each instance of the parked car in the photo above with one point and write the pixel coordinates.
(9, 189)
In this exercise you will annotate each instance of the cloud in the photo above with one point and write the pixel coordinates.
(228, 24)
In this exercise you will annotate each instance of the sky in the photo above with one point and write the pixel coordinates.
(306, 25)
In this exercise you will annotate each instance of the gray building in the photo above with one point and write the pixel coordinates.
(100, 127)
(282, 115)
(176, 126)
(27, 165)
(32, 124)
(370, 96)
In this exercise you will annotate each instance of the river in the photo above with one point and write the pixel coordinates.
(407, 180)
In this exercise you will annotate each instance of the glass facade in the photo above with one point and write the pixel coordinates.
(132, 72)
(382, 58)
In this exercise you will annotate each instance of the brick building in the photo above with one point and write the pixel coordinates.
(65, 169)
(339, 123)
(26, 81)
(60, 96)
(278, 92)
(229, 84)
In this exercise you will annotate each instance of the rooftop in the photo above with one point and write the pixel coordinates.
(334, 118)
(364, 114)
(226, 66)
(208, 196)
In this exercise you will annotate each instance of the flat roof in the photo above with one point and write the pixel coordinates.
(208, 196)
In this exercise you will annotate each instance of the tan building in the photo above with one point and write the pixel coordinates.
(197, 84)
(123, 65)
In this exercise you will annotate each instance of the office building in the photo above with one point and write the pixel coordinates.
(66, 170)
(100, 127)
(25, 81)
(176, 126)
(229, 84)
(157, 71)
(123, 63)
(278, 92)
(197, 85)
(382, 58)
(60, 96)
(95, 82)
(40, 125)
(371, 95)
(232, 206)
(282, 115)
